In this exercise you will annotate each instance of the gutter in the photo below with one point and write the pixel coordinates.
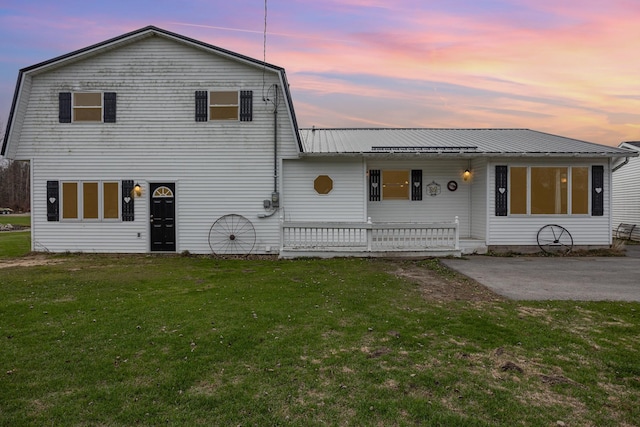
(624, 162)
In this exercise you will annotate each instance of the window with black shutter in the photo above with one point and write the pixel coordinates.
(374, 185)
(53, 202)
(246, 106)
(64, 107)
(597, 190)
(416, 184)
(109, 107)
(202, 106)
(501, 190)
(127, 200)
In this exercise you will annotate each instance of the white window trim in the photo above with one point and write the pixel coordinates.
(236, 105)
(80, 198)
(569, 190)
(81, 107)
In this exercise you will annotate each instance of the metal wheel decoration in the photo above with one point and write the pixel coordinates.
(232, 235)
(555, 239)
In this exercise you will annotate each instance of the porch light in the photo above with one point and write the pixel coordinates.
(137, 190)
(466, 174)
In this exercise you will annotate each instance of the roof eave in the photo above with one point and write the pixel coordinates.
(467, 154)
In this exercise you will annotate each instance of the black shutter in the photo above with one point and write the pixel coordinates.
(201, 105)
(416, 184)
(64, 107)
(109, 111)
(597, 190)
(501, 191)
(246, 105)
(374, 185)
(53, 202)
(127, 200)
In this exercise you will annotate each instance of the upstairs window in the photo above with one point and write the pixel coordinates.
(224, 105)
(87, 107)
(83, 107)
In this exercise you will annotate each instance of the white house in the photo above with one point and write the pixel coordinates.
(155, 142)
(198, 131)
(626, 196)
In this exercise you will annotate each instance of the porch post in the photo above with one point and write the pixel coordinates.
(281, 234)
(457, 221)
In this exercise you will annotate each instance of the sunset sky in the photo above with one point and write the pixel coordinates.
(565, 67)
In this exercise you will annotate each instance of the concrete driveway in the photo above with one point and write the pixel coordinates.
(556, 278)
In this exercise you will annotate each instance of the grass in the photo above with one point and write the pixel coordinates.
(16, 243)
(24, 220)
(149, 340)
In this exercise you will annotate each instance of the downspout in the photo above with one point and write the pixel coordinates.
(275, 197)
(274, 203)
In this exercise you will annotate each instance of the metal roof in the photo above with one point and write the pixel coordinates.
(442, 142)
(634, 144)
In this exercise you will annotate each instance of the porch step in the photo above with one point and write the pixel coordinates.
(473, 246)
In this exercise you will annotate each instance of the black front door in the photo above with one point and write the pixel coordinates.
(163, 217)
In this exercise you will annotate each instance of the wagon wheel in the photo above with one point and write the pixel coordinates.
(555, 239)
(232, 234)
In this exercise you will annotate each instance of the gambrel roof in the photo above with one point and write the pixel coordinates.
(455, 142)
(15, 120)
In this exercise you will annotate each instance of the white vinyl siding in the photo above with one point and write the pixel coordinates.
(219, 167)
(626, 192)
(344, 203)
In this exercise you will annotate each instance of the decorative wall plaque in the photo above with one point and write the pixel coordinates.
(433, 188)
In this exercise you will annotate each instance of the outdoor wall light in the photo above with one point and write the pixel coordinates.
(137, 190)
(466, 174)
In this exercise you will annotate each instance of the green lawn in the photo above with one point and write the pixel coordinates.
(16, 219)
(15, 243)
(169, 340)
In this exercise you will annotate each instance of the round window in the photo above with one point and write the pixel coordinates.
(323, 184)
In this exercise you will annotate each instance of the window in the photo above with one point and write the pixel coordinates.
(580, 190)
(395, 185)
(79, 107)
(91, 200)
(323, 184)
(69, 200)
(224, 105)
(87, 107)
(110, 199)
(549, 189)
(553, 190)
(518, 178)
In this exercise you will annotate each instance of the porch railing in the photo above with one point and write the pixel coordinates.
(369, 237)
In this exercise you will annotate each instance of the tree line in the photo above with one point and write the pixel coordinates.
(15, 185)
